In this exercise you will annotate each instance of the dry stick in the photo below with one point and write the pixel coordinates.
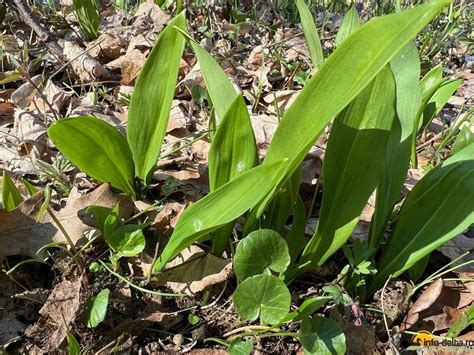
(79, 261)
(44, 35)
(27, 76)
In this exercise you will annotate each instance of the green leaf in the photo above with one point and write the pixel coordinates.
(73, 346)
(295, 238)
(233, 151)
(11, 196)
(9, 76)
(193, 319)
(439, 99)
(87, 14)
(310, 34)
(151, 100)
(97, 149)
(463, 139)
(307, 308)
(365, 52)
(240, 347)
(127, 240)
(464, 321)
(220, 89)
(264, 296)
(352, 165)
(260, 251)
(406, 71)
(322, 336)
(97, 308)
(437, 209)
(431, 81)
(29, 187)
(350, 23)
(219, 208)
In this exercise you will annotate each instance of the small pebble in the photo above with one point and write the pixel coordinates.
(178, 339)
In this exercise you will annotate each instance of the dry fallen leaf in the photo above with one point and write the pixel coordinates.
(57, 314)
(438, 307)
(194, 270)
(22, 235)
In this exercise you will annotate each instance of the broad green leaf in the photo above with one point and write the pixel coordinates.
(233, 149)
(347, 71)
(9, 76)
(97, 149)
(322, 336)
(406, 71)
(431, 81)
(87, 14)
(350, 23)
(73, 346)
(100, 214)
(151, 99)
(127, 240)
(437, 209)
(307, 308)
(264, 296)
(11, 196)
(219, 208)
(112, 221)
(439, 99)
(310, 34)
(240, 347)
(97, 308)
(464, 321)
(220, 89)
(352, 165)
(463, 139)
(261, 251)
(417, 270)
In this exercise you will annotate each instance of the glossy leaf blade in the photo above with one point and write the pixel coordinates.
(350, 23)
(347, 71)
(310, 34)
(233, 149)
(219, 208)
(97, 149)
(220, 89)
(406, 71)
(151, 99)
(353, 163)
(437, 209)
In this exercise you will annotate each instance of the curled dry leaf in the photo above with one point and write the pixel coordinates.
(438, 306)
(166, 219)
(193, 271)
(57, 314)
(23, 96)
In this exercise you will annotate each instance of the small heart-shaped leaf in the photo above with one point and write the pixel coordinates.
(262, 295)
(261, 250)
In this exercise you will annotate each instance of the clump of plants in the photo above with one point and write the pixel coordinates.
(370, 89)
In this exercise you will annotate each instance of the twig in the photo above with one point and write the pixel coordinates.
(44, 36)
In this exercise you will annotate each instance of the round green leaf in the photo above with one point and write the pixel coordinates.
(240, 347)
(97, 308)
(262, 295)
(322, 336)
(261, 250)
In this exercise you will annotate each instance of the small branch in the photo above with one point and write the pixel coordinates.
(44, 36)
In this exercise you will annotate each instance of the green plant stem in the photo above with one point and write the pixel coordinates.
(218, 341)
(455, 129)
(132, 285)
